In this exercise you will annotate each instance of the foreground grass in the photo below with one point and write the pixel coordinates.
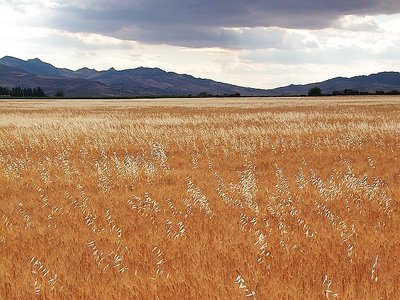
(227, 199)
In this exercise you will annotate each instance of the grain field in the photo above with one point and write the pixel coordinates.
(200, 199)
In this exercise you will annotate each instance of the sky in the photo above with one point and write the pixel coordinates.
(255, 43)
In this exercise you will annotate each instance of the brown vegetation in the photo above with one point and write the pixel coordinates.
(271, 199)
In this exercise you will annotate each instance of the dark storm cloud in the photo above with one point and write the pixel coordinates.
(206, 23)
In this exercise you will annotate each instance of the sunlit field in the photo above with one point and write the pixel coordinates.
(252, 198)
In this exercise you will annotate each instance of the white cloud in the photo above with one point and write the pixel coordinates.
(358, 23)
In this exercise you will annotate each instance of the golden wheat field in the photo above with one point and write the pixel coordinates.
(200, 199)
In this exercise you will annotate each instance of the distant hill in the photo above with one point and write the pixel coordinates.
(141, 81)
(11, 77)
(384, 81)
(130, 82)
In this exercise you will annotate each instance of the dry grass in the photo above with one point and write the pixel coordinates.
(200, 199)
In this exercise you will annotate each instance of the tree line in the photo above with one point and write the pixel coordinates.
(316, 91)
(22, 92)
(205, 95)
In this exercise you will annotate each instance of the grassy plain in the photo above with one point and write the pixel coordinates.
(292, 198)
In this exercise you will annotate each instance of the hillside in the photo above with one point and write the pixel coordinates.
(141, 81)
(384, 81)
(131, 82)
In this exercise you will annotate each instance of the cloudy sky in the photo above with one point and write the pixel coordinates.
(258, 43)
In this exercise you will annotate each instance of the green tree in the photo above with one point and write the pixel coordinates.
(17, 92)
(59, 94)
(4, 91)
(315, 91)
(203, 95)
(351, 92)
(38, 92)
(27, 92)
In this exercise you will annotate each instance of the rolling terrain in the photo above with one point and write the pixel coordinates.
(131, 82)
(384, 81)
(142, 81)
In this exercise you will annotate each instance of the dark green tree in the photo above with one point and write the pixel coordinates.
(38, 92)
(21, 92)
(5, 91)
(17, 92)
(59, 94)
(203, 95)
(315, 91)
(27, 92)
(351, 92)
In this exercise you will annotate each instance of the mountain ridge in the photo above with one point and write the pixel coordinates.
(386, 81)
(140, 81)
(144, 81)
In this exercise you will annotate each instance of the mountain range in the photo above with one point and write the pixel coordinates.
(89, 82)
(141, 81)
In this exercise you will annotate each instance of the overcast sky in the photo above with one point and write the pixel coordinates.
(255, 43)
